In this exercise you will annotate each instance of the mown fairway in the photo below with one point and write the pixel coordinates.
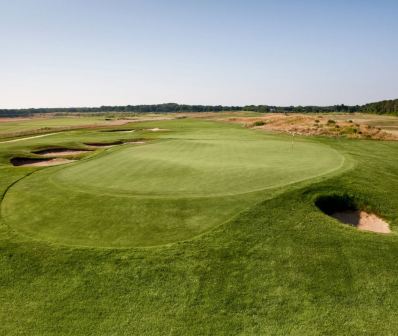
(206, 229)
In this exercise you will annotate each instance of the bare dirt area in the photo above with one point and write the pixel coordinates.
(362, 221)
(324, 125)
(60, 152)
(30, 162)
(391, 129)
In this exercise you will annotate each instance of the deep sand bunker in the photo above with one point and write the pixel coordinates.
(363, 221)
(60, 152)
(31, 162)
(344, 209)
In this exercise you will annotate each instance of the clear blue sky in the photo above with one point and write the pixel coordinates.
(116, 52)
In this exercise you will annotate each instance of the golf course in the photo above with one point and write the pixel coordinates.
(194, 226)
(198, 168)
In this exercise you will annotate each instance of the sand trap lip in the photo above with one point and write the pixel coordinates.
(118, 131)
(134, 142)
(156, 129)
(103, 144)
(362, 220)
(50, 152)
(345, 209)
(31, 162)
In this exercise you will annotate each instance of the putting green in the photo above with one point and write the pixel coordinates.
(162, 192)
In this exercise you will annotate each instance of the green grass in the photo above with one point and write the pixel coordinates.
(274, 264)
(42, 123)
(161, 192)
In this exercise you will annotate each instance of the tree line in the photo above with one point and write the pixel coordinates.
(382, 107)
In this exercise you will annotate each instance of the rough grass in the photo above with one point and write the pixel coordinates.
(281, 267)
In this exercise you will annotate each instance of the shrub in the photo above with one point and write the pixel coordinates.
(259, 123)
(350, 130)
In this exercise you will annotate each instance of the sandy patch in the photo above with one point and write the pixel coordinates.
(156, 129)
(390, 129)
(59, 152)
(27, 162)
(363, 221)
(135, 142)
(323, 125)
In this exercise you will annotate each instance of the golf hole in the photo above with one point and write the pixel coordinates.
(345, 209)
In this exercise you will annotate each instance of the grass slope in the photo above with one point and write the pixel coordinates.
(279, 268)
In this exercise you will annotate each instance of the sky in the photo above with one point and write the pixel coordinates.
(62, 53)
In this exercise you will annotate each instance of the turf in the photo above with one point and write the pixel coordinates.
(46, 123)
(162, 192)
(278, 267)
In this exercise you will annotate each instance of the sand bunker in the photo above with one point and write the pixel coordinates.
(345, 209)
(31, 162)
(60, 152)
(362, 221)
